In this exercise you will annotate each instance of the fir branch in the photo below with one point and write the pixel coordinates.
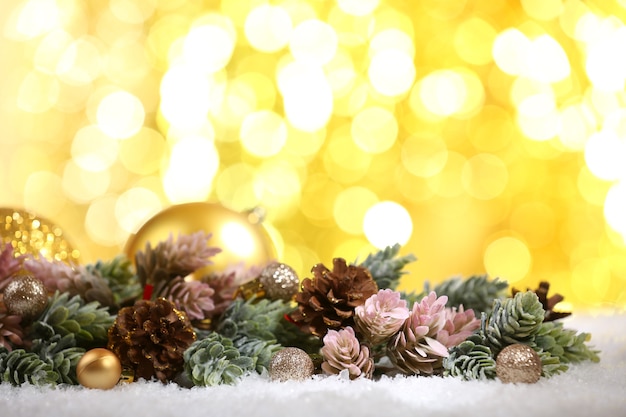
(289, 335)
(62, 353)
(550, 364)
(20, 366)
(566, 344)
(120, 277)
(261, 351)
(514, 320)
(470, 360)
(252, 318)
(476, 292)
(215, 360)
(386, 266)
(88, 322)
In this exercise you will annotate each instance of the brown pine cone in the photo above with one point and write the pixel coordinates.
(151, 337)
(327, 301)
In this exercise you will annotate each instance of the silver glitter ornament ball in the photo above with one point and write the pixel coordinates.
(279, 281)
(25, 296)
(518, 363)
(290, 363)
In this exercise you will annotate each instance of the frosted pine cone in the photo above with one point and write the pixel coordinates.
(73, 279)
(193, 297)
(342, 351)
(170, 258)
(327, 301)
(10, 330)
(224, 288)
(415, 349)
(150, 338)
(9, 265)
(382, 315)
(459, 325)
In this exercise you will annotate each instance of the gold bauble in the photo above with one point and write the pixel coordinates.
(291, 363)
(518, 363)
(25, 296)
(241, 236)
(30, 234)
(99, 368)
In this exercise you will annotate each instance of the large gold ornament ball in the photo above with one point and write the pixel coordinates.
(241, 236)
(31, 234)
(518, 363)
(291, 363)
(99, 368)
(25, 296)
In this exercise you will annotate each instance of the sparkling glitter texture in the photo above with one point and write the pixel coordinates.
(25, 296)
(290, 363)
(280, 281)
(518, 363)
(33, 235)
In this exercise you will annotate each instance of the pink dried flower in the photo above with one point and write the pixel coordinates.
(11, 332)
(188, 253)
(244, 273)
(415, 349)
(458, 326)
(224, 288)
(342, 350)
(9, 265)
(193, 297)
(73, 279)
(382, 316)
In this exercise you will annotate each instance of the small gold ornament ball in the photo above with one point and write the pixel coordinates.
(25, 296)
(290, 363)
(518, 363)
(280, 281)
(99, 368)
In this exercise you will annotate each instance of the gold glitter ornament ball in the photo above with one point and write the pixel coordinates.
(277, 281)
(518, 363)
(25, 296)
(99, 368)
(291, 363)
(33, 235)
(280, 281)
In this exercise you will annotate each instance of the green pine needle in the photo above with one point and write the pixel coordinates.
(120, 277)
(514, 320)
(215, 360)
(470, 360)
(20, 367)
(88, 322)
(260, 350)
(566, 344)
(386, 266)
(476, 292)
(254, 319)
(62, 353)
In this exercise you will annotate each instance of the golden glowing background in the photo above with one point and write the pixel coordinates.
(483, 135)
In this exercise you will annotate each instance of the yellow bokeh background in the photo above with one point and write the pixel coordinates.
(485, 136)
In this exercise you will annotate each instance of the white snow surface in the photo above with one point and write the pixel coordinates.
(587, 389)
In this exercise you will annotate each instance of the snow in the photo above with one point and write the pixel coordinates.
(586, 389)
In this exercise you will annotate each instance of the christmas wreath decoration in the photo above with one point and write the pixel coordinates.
(147, 320)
